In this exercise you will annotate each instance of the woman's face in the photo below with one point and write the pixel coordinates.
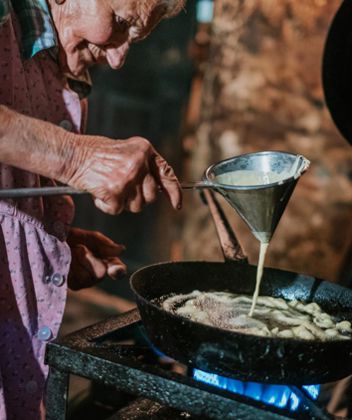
(99, 31)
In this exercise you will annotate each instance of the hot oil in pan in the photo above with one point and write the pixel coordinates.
(273, 317)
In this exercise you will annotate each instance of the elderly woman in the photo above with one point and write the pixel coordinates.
(46, 47)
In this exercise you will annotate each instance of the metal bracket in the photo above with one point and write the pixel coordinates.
(230, 246)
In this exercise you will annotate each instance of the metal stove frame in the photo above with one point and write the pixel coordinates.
(83, 353)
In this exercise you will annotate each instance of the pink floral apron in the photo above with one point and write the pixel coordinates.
(34, 257)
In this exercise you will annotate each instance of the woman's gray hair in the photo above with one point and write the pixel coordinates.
(172, 7)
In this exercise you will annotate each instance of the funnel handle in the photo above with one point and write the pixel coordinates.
(196, 185)
(38, 192)
(230, 246)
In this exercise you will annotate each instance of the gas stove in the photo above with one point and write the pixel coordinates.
(142, 383)
(116, 352)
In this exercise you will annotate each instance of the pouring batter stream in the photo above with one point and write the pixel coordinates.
(252, 178)
(260, 269)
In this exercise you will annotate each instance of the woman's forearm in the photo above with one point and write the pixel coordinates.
(120, 174)
(37, 146)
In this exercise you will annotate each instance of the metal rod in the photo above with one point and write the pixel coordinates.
(50, 191)
(196, 185)
(38, 192)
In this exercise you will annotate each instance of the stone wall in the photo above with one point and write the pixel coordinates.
(262, 90)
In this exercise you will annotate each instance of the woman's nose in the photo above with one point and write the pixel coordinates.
(116, 56)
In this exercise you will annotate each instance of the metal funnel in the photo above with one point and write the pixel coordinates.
(260, 204)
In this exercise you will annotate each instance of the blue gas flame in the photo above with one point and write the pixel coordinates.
(280, 396)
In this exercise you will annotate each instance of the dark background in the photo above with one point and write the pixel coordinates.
(147, 97)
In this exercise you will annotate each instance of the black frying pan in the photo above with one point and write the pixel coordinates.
(262, 359)
(271, 360)
(337, 70)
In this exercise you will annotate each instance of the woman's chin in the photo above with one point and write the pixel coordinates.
(77, 64)
(78, 69)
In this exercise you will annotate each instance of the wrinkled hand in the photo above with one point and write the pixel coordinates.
(93, 257)
(123, 174)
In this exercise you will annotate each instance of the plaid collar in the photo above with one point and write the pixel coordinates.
(38, 34)
(4, 11)
(37, 28)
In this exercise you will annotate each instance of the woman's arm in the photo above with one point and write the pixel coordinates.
(37, 146)
(120, 174)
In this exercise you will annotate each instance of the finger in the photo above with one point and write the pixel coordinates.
(107, 251)
(115, 267)
(168, 181)
(80, 278)
(98, 243)
(150, 189)
(172, 190)
(95, 266)
(78, 275)
(81, 274)
(112, 208)
(77, 236)
(136, 203)
(95, 237)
